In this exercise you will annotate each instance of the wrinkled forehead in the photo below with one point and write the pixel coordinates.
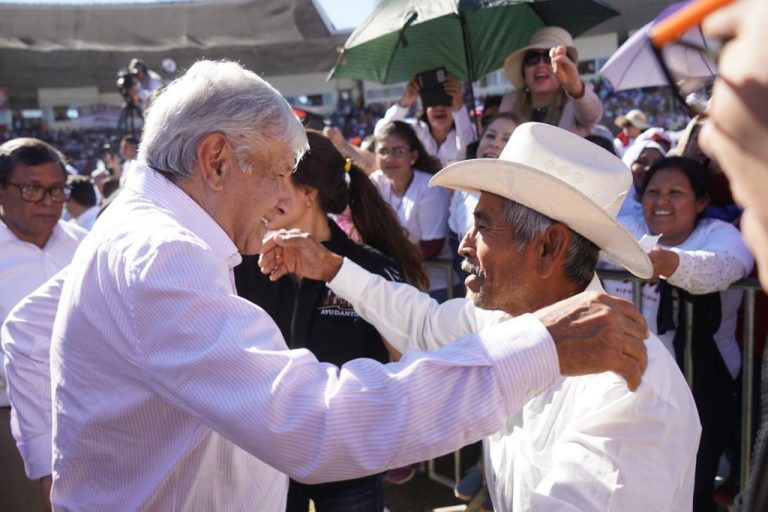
(44, 172)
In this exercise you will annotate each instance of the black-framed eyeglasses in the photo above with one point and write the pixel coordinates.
(36, 193)
(533, 57)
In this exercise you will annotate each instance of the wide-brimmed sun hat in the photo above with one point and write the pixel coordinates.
(563, 176)
(635, 117)
(543, 39)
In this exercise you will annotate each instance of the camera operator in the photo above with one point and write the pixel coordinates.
(131, 120)
(147, 80)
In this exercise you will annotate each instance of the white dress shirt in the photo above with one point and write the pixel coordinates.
(26, 339)
(172, 393)
(453, 148)
(86, 219)
(25, 266)
(586, 444)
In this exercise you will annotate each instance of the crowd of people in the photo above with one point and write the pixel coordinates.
(238, 313)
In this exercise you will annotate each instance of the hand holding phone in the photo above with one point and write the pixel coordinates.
(431, 88)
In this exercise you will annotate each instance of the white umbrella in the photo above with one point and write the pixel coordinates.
(634, 65)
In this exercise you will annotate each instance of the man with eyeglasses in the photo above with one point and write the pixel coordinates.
(34, 245)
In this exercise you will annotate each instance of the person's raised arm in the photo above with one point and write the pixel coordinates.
(593, 332)
(588, 107)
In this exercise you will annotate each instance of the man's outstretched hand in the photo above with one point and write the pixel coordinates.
(296, 252)
(595, 332)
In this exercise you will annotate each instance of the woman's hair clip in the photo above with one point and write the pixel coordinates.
(348, 165)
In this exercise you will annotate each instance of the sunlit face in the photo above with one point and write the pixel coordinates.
(540, 78)
(440, 117)
(253, 196)
(292, 208)
(395, 157)
(629, 130)
(495, 138)
(32, 222)
(670, 206)
(647, 158)
(498, 278)
(128, 150)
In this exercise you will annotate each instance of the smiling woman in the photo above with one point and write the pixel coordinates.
(696, 260)
(547, 83)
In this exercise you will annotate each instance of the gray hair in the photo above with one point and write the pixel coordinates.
(581, 256)
(216, 97)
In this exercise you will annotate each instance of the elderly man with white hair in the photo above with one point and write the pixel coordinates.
(547, 207)
(171, 393)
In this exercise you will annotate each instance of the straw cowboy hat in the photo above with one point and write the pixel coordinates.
(543, 39)
(563, 176)
(635, 117)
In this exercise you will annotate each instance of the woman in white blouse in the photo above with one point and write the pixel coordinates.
(696, 259)
(444, 130)
(404, 170)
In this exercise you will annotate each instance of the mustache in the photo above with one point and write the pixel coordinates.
(469, 268)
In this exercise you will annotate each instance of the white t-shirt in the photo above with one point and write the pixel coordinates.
(461, 216)
(423, 212)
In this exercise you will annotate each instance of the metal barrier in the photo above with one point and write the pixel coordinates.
(750, 286)
(447, 267)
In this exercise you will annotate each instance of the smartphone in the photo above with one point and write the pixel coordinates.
(431, 87)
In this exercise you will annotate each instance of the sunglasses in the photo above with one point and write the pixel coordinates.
(533, 57)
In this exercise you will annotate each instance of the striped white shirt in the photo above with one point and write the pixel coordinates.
(172, 393)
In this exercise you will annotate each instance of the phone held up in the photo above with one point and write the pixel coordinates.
(431, 88)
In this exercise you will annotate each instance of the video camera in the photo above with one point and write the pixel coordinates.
(126, 81)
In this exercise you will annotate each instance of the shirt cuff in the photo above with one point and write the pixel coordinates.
(525, 357)
(36, 453)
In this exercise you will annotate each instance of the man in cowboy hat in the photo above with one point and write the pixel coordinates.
(631, 124)
(547, 207)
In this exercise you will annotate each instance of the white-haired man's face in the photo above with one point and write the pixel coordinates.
(252, 196)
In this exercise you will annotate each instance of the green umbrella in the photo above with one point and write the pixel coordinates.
(470, 38)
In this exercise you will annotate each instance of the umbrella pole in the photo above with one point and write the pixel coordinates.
(468, 61)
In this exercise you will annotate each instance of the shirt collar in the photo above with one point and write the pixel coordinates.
(6, 235)
(158, 189)
(595, 285)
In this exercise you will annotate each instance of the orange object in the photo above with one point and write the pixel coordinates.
(672, 28)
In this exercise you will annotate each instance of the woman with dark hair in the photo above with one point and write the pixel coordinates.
(444, 130)
(696, 260)
(310, 315)
(404, 170)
